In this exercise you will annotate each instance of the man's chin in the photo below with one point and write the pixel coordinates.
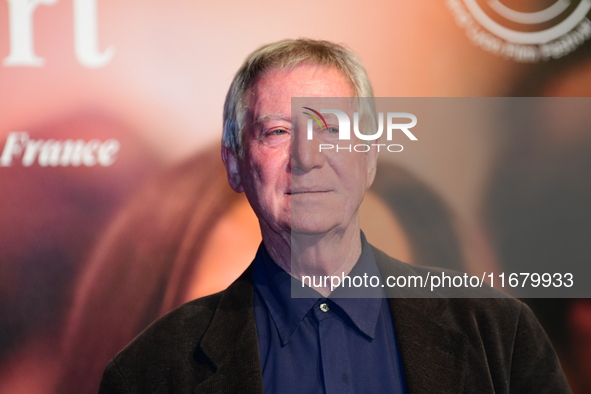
(306, 228)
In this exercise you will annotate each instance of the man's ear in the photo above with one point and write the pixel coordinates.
(232, 169)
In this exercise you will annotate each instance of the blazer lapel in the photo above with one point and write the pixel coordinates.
(433, 354)
(231, 343)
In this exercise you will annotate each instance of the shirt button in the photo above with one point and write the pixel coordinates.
(324, 307)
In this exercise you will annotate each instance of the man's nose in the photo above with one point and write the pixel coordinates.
(305, 154)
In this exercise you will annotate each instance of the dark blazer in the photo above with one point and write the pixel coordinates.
(447, 345)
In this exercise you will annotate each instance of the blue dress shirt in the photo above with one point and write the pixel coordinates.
(324, 345)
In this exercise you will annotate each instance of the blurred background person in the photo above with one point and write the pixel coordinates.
(537, 208)
(49, 220)
(539, 215)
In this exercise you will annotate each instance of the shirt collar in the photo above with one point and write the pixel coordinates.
(361, 304)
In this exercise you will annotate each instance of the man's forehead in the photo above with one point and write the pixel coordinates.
(272, 117)
(304, 77)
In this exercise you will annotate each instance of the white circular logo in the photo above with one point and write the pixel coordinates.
(526, 34)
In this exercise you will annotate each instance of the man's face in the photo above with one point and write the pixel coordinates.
(291, 186)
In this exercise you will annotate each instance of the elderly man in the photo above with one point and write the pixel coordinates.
(254, 337)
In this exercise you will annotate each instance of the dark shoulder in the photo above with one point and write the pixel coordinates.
(503, 339)
(166, 351)
(481, 311)
(180, 328)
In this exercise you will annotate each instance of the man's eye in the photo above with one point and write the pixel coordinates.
(279, 132)
(332, 130)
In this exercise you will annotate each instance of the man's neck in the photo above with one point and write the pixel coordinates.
(333, 253)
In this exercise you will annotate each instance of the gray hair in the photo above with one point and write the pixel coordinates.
(286, 54)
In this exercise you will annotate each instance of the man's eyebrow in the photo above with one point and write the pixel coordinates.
(267, 117)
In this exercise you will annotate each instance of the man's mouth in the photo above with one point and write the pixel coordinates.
(294, 192)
